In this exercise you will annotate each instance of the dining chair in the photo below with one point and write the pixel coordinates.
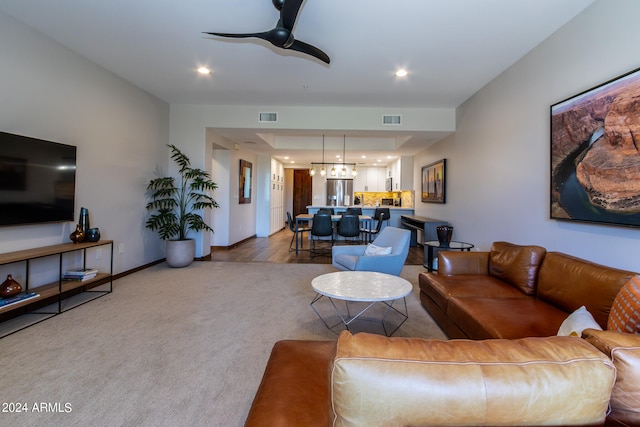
(378, 211)
(299, 231)
(349, 227)
(372, 233)
(325, 211)
(354, 211)
(321, 227)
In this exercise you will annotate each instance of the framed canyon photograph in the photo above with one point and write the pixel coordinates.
(595, 154)
(433, 182)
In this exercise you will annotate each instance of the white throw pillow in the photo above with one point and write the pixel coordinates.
(578, 321)
(377, 250)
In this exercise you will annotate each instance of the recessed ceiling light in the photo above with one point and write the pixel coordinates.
(364, 157)
(286, 157)
(292, 161)
(401, 72)
(203, 70)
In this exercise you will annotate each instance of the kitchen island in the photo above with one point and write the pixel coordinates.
(395, 211)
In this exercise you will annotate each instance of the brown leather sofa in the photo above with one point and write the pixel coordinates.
(370, 380)
(515, 291)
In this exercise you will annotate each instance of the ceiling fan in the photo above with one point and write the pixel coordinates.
(282, 34)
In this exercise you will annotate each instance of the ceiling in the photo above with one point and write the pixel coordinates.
(450, 48)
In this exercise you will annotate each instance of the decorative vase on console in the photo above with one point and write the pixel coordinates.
(93, 235)
(444, 235)
(78, 235)
(10, 288)
(84, 220)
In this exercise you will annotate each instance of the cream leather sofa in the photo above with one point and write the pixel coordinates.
(624, 351)
(370, 380)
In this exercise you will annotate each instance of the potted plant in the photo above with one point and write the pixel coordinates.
(176, 204)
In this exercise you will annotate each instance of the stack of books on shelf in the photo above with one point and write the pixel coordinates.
(17, 298)
(80, 275)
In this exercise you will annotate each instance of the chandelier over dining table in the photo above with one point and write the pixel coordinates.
(342, 165)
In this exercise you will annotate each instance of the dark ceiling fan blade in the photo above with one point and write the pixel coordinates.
(289, 13)
(262, 35)
(310, 50)
(279, 37)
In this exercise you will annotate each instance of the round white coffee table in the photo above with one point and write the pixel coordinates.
(366, 287)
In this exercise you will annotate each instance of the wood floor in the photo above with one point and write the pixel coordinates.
(275, 248)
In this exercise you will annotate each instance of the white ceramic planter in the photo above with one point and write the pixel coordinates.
(180, 253)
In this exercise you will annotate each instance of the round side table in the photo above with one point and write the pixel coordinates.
(452, 246)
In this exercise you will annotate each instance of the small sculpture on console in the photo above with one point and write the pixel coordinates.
(10, 288)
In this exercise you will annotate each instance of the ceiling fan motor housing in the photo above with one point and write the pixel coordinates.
(281, 37)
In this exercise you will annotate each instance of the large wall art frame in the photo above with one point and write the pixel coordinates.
(595, 154)
(434, 182)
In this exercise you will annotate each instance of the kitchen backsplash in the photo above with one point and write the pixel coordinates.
(370, 198)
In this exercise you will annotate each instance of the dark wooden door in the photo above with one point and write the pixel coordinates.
(302, 189)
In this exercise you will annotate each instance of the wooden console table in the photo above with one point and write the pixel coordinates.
(41, 271)
(424, 224)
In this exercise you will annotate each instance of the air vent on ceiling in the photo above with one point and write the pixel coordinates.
(392, 119)
(268, 117)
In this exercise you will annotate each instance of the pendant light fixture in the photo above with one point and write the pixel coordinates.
(344, 168)
(323, 171)
(333, 173)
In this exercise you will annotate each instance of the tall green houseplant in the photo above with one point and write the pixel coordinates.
(175, 203)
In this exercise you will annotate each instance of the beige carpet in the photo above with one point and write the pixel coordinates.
(171, 347)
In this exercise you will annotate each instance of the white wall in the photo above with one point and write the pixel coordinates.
(498, 159)
(220, 217)
(262, 194)
(233, 222)
(288, 190)
(51, 93)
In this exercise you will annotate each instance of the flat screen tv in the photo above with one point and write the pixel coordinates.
(37, 180)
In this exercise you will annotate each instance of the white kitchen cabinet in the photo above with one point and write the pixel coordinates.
(401, 172)
(376, 177)
(370, 179)
(360, 180)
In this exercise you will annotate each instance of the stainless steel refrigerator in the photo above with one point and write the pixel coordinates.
(339, 192)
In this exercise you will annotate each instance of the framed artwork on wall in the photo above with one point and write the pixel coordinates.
(595, 154)
(244, 192)
(433, 182)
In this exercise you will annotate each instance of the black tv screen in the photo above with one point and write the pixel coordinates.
(37, 180)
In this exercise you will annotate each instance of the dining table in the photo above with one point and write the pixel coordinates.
(307, 217)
